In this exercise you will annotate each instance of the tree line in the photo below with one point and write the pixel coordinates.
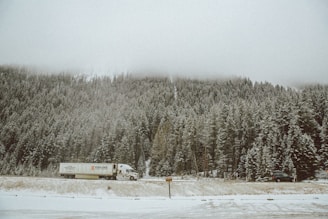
(183, 126)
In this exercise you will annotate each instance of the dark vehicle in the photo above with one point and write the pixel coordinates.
(279, 176)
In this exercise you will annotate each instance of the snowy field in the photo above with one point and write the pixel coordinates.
(28, 197)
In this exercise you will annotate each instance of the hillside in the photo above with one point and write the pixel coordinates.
(183, 126)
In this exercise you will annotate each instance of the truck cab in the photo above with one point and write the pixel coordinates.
(126, 172)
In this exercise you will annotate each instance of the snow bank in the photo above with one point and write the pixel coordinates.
(27, 197)
(156, 187)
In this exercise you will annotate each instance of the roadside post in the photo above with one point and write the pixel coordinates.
(169, 180)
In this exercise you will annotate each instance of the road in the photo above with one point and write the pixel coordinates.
(29, 205)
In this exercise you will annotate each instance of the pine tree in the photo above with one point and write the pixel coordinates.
(160, 146)
(251, 164)
(323, 151)
(303, 151)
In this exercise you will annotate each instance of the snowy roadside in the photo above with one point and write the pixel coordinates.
(155, 187)
(28, 197)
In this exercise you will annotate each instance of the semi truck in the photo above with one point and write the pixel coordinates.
(110, 171)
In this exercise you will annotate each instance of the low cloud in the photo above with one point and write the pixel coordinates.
(277, 41)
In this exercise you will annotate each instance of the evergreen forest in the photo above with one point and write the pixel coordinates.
(182, 126)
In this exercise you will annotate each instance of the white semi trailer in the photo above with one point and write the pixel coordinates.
(111, 171)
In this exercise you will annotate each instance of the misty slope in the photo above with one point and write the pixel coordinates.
(184, 126)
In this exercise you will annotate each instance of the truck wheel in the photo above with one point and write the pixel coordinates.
(131, 178)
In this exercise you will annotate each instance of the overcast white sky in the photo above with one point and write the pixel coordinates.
(280, 41)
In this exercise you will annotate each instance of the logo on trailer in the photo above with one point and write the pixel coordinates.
(93, 167)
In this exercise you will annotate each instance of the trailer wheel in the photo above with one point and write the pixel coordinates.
(131, 178)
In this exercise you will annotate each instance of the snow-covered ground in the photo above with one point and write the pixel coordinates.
(28, 197)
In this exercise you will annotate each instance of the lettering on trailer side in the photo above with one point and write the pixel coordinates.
(99, 167)
(69, 168)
